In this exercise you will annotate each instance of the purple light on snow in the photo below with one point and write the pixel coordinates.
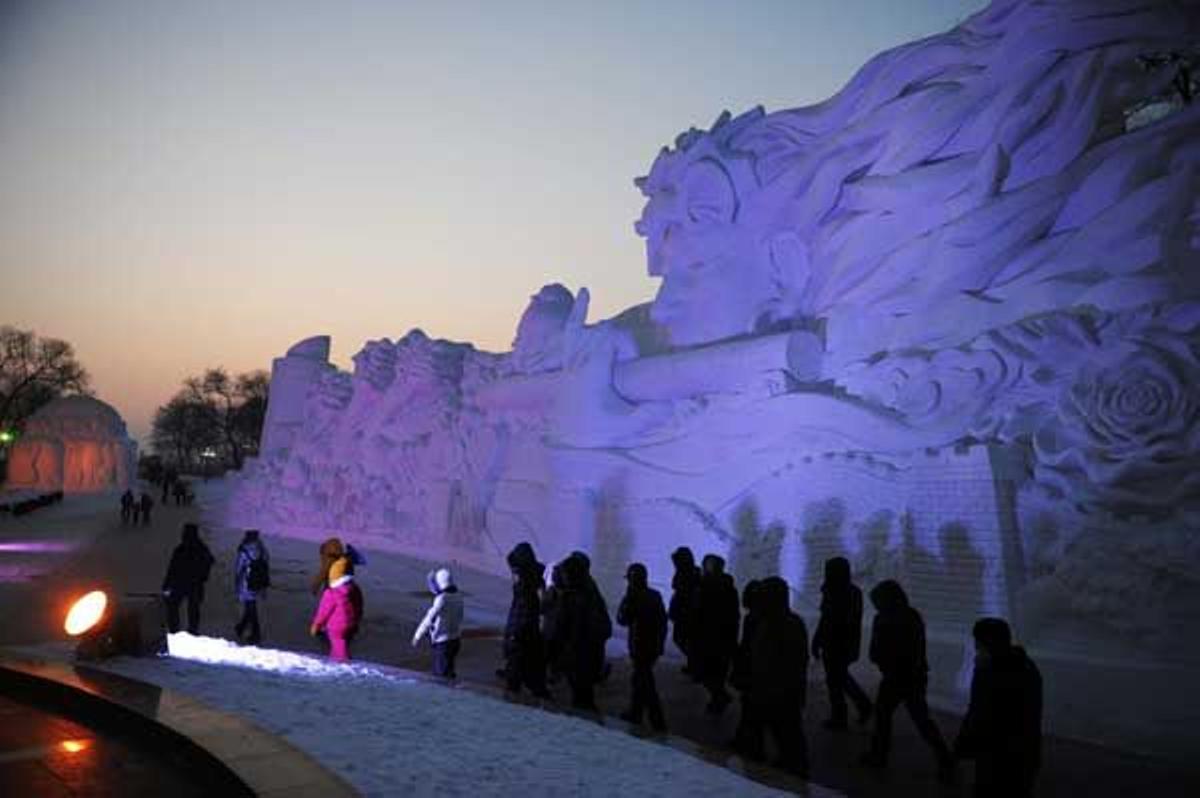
(36, 547)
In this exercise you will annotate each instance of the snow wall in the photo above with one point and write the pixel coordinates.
(946, 323)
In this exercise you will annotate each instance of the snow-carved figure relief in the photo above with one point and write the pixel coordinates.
(945, 323)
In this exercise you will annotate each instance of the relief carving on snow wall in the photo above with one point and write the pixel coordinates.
(988, 237)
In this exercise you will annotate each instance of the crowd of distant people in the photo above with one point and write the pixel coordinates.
(752, 642)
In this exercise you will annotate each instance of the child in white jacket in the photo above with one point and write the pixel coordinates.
(442, 622)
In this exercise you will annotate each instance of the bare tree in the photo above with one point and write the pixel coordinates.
(33, 371)
(213, 411)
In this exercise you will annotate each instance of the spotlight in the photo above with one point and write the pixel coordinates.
(105, 628)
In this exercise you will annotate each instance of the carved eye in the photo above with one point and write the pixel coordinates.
(703, 213)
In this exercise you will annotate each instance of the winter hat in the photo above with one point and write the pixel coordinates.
(443, 579)
(340, 568)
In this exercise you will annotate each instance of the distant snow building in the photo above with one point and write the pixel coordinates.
(75, 444)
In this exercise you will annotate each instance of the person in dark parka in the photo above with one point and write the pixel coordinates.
(126, 506)
(1002, 730)
(642, 611)
(524, 652)
(251, 578)
(600, 629)
(838, 641)
(748, 739)
(145, 504)
(898, 650)
(551, 610)
(685, 592)
(578, 633)
(718, 616)
(186, 574)
(779, 674)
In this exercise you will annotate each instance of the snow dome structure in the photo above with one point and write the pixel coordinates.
(76, 444)
(945, 323)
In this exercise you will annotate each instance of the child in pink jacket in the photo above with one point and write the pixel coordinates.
(340, 611)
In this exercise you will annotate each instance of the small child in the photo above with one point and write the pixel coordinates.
(442, 622)
(340, 610)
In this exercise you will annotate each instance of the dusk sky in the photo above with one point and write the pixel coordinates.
(187, 185)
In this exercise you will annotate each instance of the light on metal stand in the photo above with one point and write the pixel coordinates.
(105, 628)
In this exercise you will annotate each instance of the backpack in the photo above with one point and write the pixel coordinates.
(258, 575)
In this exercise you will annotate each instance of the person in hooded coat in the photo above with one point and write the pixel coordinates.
(1002, 730)
(643, 613)
(748, 739)
(685, 592)
(524, 651)
(779, 674)
(442, 623)
(251, 577)
(600, 623)
(718, 616)
(551, 611)
(338, 614)
(898, 650)
(331, 551)
(126, 506)
(579, 634)
(838, 640)
(186, 574)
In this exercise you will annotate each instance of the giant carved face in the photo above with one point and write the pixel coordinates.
(714, 267)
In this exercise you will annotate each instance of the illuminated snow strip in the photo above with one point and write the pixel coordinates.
(218, 651)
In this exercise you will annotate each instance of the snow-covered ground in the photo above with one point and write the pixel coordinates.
(388, 734)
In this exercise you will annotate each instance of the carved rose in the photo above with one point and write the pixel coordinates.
(1126, 432)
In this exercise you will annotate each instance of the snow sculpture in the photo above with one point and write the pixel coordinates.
(75, 444)
(945, 323)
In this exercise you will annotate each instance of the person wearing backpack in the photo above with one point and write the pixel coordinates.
(252, 577)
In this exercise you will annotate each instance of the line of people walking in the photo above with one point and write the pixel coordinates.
(754, 643)
(764, 655)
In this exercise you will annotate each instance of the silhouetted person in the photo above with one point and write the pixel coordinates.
(748, 739)
(580, 632)
(126, 506)
(779, 674)
(642, 611)
(838, 640)
(186, 574)
(600, 624)
(524, 653)
(251, 578)
(146, 503)
(179, 492)
(168, 481)
(1002, 730)
(898, 649)
(717, 618)
(552, 604)
(685, 593)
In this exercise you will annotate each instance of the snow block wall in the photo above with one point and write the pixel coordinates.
(946, 323)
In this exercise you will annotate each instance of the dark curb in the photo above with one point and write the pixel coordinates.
(225, 754)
